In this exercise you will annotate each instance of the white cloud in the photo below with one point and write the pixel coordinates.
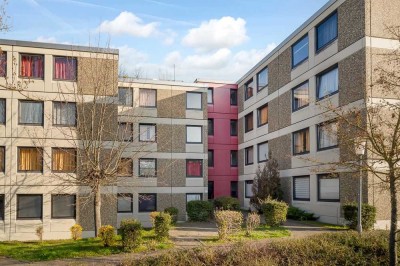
(128, 23)
(169, 37)
(216, 34)
(45, 39)
(130, 59)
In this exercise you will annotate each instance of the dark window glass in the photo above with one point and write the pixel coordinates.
(234, 189)
(327, 31)
(29, 206)
(262, 115)
(301, 188)
(147, 202)
(63, 206)
(249, 155)
(327, 83)
(262, 150)
(210, 158)
(64, 114)
(262, 79)
(233, 97)
(125, 167)
(301, 141)
(210, 190)
(248, 122)
(125, 131)
(65, 68)
(300, 51)
(211, 127)
(248, 89)
(125, 202)
(32, 66)
(3, 64)
(2, 111)
(234, 158)
(2, 159)
(30, 113)
(125, 96)
(300, 96)
(2, 204)
(234, 128)
(147, 167)
(210, 95)
(194, 168)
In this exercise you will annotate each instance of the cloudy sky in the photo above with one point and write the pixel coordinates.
(215, 39)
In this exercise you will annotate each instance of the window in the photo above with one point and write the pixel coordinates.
(29, 206)
(262, 152)
(125, 96)
(300, 51)
(211, 127)
(125, 167)
(327, 83)
(234, 127)
(248, 188)
(248, 154)
(327, 135)
(147, 132)
(210, 95)
(193, 100)
(301, 188)
(64, 114)
(210, 190)
(65, 68)
(300, 96)
(233, 97)
(234, 189)
(301, 141)
(262, 115)
(30, 159)
(210, 158)
(194, 134)
(147, 98)
(234, 158)
(3, 64)
(194, 168)
(147, 167)
(30, 113)
(262, 79)
(248, 122)
(2, 159)
(248, 89)
(193, 196)
(125, 131)
(147, 202)
(125, 203)
(328, 187)
(32, 66)
(327, 31)
(2, 204)
(63, 160)
(63, 206)
(2, 111)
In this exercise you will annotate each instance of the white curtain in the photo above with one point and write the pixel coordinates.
(193, 100)
(302, 187)
(193, 134)
(249, 155)
(191, 197)
(328, 83)
(249, 189)
(147, 132)
(64, 113)
(31, 113)
(329, 188)
(147, 98)
(327, 135)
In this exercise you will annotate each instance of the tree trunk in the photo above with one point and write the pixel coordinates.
(97, 210)
(393, 222)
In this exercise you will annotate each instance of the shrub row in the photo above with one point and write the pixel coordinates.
(300, 215)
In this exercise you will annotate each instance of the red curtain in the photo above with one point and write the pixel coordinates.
(32, 66)
(193, 168)
(64, 68)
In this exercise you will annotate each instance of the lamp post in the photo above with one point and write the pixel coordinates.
(360, 151)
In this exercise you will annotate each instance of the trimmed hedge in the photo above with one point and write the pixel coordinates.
(107, 235)
(227, 203)
(274, 212)
(199, 211)
(300, 215)
(368, 215)
(162, 224)
(173, 212)
(131, 234)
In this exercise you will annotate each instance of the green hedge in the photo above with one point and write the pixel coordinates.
(173, 212)
(300, 215)
(368, 212)
(227, 203)
(199, 210)
(107, 235)
(162, 224)
(274, 212)
(131, 233)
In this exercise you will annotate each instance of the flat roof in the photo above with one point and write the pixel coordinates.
(161, 82)
(67, 47)
(291, 36)
(201, 80)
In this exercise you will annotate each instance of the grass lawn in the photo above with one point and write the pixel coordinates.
(325, 225)
(63, 249)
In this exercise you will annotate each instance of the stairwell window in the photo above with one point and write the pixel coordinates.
(234, 158)
(210, 96)
(234, 127)
(248, 189)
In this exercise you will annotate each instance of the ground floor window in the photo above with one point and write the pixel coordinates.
(147, 202)
(210, 189)
(193, 196)
(328, 187)
(63, 206)
(2, 207)
(29, 206)
(248, 188)
(234, 189)
(125, 203)
(301, 188)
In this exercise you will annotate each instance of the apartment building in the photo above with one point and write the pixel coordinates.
(222, 138)
(327, 60)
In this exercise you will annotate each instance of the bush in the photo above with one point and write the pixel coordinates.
(76, 231)
(199, 211)
(274, 212)
(173, 212)
(368, 218)
(228, 222)
(107, 235)
(162, 225)
(39, 232)
(252, 222)
(300, 215)
(131, 234)
(227, 203)
(153, 216)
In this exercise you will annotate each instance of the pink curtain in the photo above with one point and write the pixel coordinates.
(3, 64)
(64, 68)
(32, 66)
(193, 168)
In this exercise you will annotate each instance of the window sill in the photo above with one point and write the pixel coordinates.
(299, 63)
(302, 200)
(327, 148)
(327, 96)
(61, 218)
(300, 108)
(321, 49)
(302, 153)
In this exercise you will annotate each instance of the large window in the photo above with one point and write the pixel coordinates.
(147, 132)
(234, 158)
(248, 89)
(125, 131)
(32, 66)
(147, 167)
(301, 141)
(2, 159)
(301, 188)
(249, 155)
(65, 68)
(2, 205)
(64, 114)
(29, 206)
(147, 98)
(327, 31)
(125, 96)
(327, 83)
(3, 64)
(327, 135)
(125, 167)
(30, 159)
(248, 122)
(211, 127)
(193, 100)
(300, 96)
(328, 187)
(248, 188)
(147, 202)
(234, 127)
(193, 196)
(262, 115)
(2, 111)
(30, 113)
(125, 203)
(210, 190)
(262, 150)
(300, 51)
(233, 97)
(63, 160)
(262, 79)
(210, 158)
(210, 95)
(63, 206)
(234, 189)
(194, 168)
(194, 134)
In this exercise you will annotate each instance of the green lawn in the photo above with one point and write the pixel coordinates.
(63, 249)
(325, 225)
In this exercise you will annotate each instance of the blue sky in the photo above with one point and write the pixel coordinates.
(216, 39)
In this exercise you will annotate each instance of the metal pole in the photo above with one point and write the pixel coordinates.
(359, 224)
